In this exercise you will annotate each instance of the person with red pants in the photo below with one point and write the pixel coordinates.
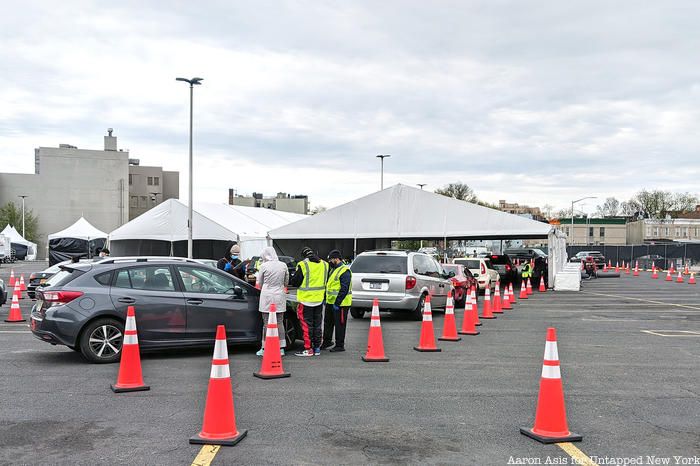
(310, 278)
(338, 301)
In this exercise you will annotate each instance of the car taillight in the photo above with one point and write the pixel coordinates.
(483, 269)
(507, 268)
(61, 297)
(410, 282)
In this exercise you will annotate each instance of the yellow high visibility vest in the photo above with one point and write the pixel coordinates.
(527, 271)
(333, 286)
(313, 287)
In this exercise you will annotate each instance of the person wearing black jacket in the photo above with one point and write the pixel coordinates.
(338, 300)
(310, 279)
(230, 261)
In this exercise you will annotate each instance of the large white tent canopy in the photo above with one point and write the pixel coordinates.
(212, 222)
(81, 239)
(403, 212)
(16, 238)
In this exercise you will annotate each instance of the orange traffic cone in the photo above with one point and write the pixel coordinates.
(475, 308)
(523, 290)
(627, 270)
(427, 333)
(271, 366)
(550, 417)
(691, 281)
(449, 324)
(529, 287)
(12, 278)
(486, 310)
(497, 307)
(511, 293)
(375, 342)
(668, 276)
(605, 267)
(130, 378)
(542, 289)
(617, 267)
(505, 304)
(609, 264)
(679, 278)
(654, 273)
(21, 283)
(15, 314)
(636, 269)
(219, 425)
(687, 270)
(469, 321)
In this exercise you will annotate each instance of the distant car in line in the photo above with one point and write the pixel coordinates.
(462, 282)
(507, 271)
(481, 268)
(38, 279)
(598, 258)
(3, 292)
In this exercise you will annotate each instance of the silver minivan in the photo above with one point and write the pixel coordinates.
(400, 280)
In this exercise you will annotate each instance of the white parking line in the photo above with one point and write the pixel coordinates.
(672, 333)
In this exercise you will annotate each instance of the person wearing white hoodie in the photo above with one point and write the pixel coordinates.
(273, 277)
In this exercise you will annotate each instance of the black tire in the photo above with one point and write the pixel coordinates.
(418, 311)
(357, 313)
(101, 349)
(291, 328)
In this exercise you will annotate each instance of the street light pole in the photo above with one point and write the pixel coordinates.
(382, 157)
(192, 82)
(572, 213)
(23, 197)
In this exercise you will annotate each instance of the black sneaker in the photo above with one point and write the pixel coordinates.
(337, 349)
(326, 345)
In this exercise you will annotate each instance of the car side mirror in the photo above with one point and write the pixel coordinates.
(450, 274)
(237, 292)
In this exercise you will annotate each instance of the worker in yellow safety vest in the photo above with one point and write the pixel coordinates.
(338, 301)
(526, 271)
(310, 278)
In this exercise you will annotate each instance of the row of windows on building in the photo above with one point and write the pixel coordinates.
(591, 231)
(141, 202)
(150, 181)
(679, 232)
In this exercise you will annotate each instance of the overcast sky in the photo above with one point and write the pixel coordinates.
(536, 102)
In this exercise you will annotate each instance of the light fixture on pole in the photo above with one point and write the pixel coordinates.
(572, 214)
(421, 185)
(192, 82)
(23, 198)
(382, 157)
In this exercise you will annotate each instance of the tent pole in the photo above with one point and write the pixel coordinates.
(354, 248)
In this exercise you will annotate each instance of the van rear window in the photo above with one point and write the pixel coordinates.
(469, 263)
(380, 264)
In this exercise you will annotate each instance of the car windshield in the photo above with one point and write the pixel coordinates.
(380, 264)
(469, 263)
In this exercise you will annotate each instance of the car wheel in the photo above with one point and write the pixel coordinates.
(418, 312)
(101, 341)
(290, 328)
(357, 313)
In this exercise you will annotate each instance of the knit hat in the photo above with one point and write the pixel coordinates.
(334, 254)
(307, 252)
(235, 249)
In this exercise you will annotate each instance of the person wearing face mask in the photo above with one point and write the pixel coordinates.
(338, 301)
(273, 278)
(310, 278)
(230, 260)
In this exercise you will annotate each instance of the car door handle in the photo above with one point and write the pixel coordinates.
(195, 301)
(127, 300)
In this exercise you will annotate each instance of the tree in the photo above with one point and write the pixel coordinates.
(658, 204)
(629, 208)
(609, 208)
(684, 202)
(459, 191)
(547, 211)
(11, 214)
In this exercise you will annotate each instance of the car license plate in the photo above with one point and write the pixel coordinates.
(375, 286)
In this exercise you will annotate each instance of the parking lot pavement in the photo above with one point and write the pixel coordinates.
(630, 391)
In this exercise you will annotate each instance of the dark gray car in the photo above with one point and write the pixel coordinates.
(178, 303)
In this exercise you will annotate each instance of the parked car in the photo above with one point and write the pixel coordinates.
(40, 278)
(481, 268)
(178, 302)
(507, 272)
(290, 262)
(598, 258)
(462, 282)
(209, 262)
(646, 262)
(3, 292)
(523, 254)
(400, 280)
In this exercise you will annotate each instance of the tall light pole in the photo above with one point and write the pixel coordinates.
(193, 82)
(382, 157)
(23, 197)
(572, 213)
(421, 185)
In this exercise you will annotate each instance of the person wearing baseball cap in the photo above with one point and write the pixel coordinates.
(338, 301)
(310, 279)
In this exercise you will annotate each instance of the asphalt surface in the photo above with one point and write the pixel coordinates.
(628, 392)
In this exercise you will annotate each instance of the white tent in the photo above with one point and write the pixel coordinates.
(402, 212)
(81, 229)
(16, 238)
(167, 222)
